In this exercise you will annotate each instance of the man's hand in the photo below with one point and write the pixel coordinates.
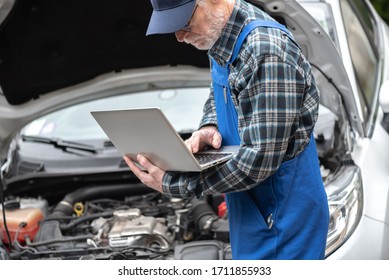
(151, 176)
(206, 136)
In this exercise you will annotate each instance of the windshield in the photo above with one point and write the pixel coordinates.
(183, 108)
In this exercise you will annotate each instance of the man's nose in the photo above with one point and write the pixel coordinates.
(180, 35)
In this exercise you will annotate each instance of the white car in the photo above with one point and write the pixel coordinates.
(65, 190)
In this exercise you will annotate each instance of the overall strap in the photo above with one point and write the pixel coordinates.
(249, 27)
(227, 115)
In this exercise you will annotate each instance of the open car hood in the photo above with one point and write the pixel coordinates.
(49, 47)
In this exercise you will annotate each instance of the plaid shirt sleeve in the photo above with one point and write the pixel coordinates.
(277, 109)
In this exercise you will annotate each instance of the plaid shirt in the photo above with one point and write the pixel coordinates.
(277, 101)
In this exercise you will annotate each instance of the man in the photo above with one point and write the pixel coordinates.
(263, 98)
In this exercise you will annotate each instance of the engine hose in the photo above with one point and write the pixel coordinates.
(203, 214)
(64, 240)
(65, 206)
(86, 218)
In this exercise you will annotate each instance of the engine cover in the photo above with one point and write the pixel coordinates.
(130, 228)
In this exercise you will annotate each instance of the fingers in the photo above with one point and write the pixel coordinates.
(211, 136)
(206, 136)
(188, 143)
(216, 140)
(194, 143)
(151, 176)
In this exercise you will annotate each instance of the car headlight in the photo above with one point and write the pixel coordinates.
(345, 199)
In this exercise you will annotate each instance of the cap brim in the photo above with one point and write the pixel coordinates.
(170, 21)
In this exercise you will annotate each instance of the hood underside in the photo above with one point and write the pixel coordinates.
(50, 44)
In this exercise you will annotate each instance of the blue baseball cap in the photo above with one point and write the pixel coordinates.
(169, 15)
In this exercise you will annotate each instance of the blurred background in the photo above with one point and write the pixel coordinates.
(382, 7)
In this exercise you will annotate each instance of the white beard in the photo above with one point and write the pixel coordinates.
(206, 40)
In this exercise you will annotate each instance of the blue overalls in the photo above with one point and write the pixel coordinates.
(286, 216)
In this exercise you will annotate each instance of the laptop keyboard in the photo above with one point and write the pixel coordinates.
(205, 158)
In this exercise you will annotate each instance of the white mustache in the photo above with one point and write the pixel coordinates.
(193, 38)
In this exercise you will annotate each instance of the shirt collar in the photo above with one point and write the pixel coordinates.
(242, 13)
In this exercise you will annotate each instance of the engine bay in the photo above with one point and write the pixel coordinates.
(88, 225)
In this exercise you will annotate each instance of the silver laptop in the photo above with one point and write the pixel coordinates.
(147, 131)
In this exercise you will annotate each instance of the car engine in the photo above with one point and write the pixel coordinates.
(85, 225)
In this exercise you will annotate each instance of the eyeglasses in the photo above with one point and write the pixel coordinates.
(186, 28)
